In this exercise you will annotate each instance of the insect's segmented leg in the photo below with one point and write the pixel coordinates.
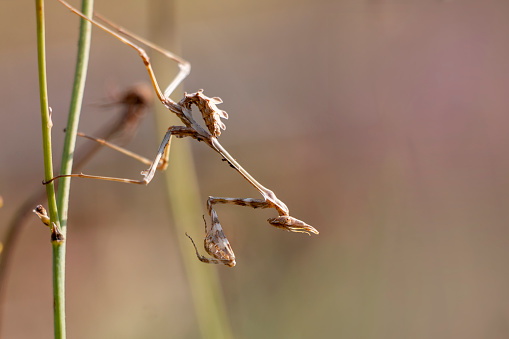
(215, 243)
(267, 194)
(285, 222)
(184, 66)
(162, 164)
(254, 203)
(163, 151)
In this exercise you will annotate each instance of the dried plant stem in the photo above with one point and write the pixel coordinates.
(184, 199)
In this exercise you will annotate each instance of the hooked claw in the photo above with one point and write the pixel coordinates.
(292, 224)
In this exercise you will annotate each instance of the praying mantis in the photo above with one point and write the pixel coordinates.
(216, 243)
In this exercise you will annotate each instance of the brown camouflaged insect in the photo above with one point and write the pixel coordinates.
(216, 244)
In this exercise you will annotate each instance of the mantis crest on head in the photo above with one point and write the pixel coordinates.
(216, 244)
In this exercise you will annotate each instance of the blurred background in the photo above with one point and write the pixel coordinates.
(381, 123)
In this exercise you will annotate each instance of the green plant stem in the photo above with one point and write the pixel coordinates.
(74, 112)
(59, 288)
(60, 219)
(58, 272)
(45, 111)
(59, 247)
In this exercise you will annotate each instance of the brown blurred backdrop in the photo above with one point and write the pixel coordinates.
(381, 123)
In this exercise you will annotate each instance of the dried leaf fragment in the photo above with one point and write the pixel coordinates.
(56, 234)
(40, 211)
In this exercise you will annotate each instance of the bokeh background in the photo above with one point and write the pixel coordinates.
(381, 123)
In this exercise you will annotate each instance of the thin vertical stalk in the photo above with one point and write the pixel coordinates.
(183, 195)
(59, 246)
(74, 111)
(58, 263)
(45, 111)
(60, 220)
(184, 201)
(59, 288)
